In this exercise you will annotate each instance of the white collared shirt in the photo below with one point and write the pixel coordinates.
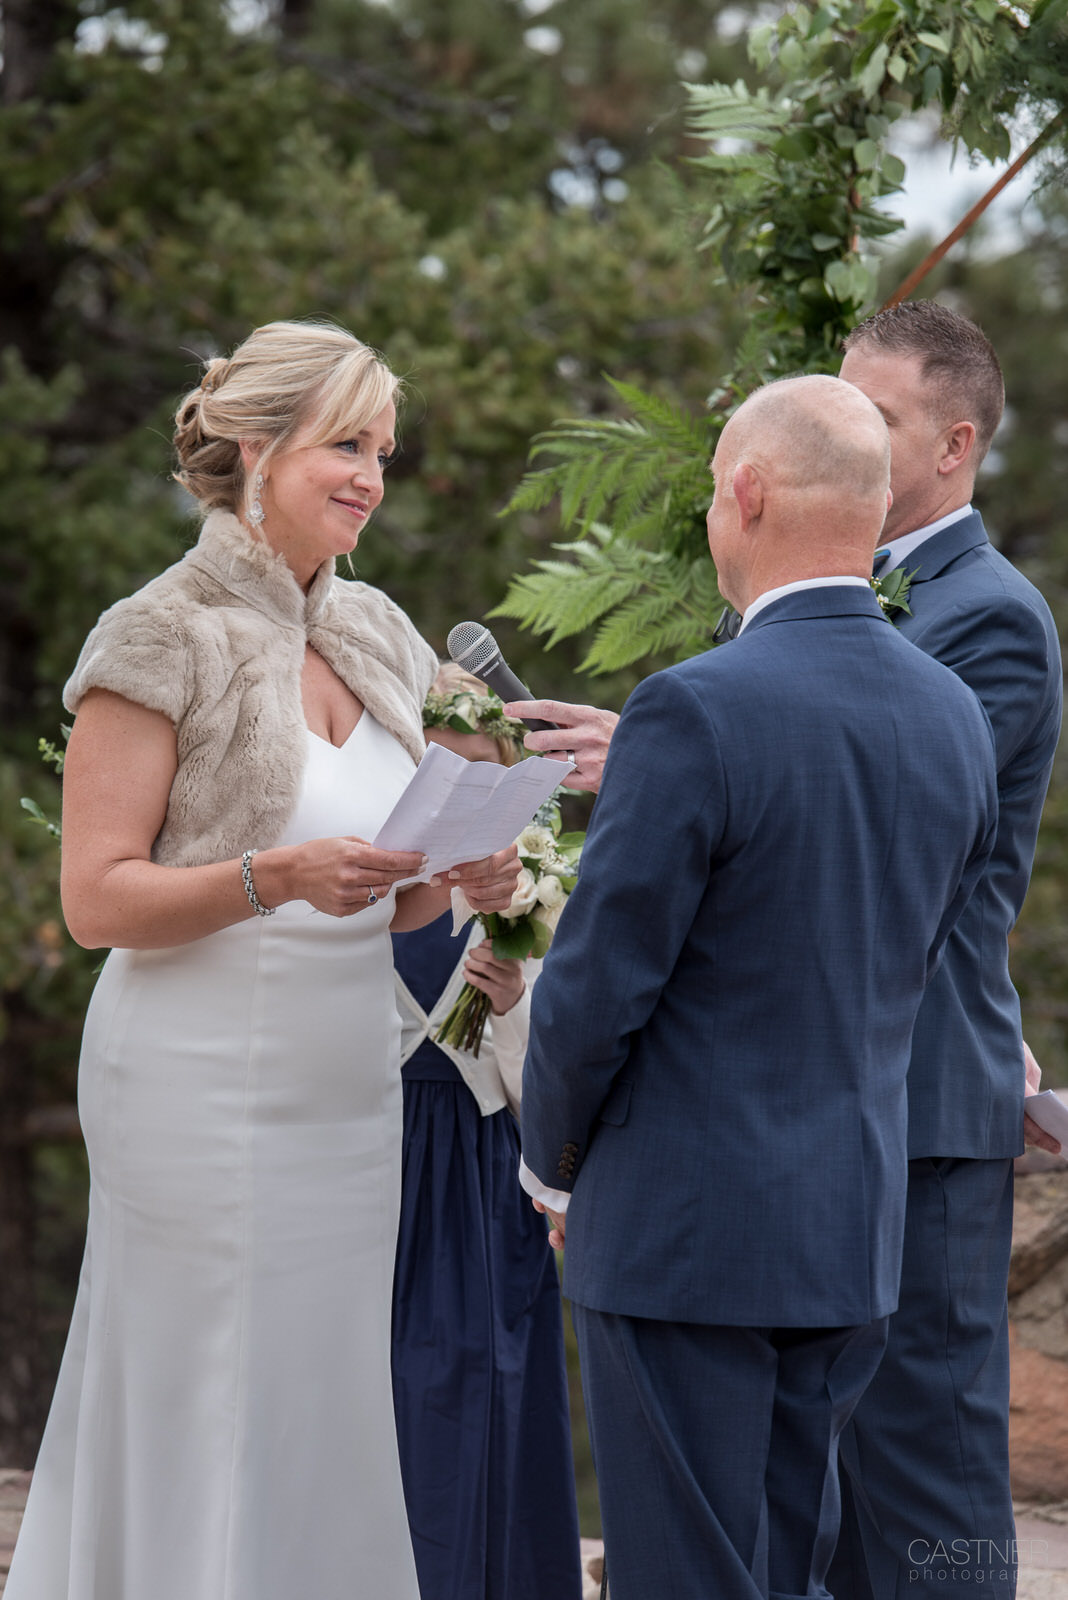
(765, 599)
(906, 543)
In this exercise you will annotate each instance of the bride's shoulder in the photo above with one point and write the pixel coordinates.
(378, 626)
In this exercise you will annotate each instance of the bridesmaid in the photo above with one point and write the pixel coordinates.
(479, 1382)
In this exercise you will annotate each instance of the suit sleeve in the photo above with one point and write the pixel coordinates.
(1002, 653)
(977, 862)
(656, 826)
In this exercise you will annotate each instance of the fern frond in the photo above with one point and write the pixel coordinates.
(675, 617)
(648, 603)
(565, 598)
(629, 470)
(535, 491)
(733, 111)
(673, 427)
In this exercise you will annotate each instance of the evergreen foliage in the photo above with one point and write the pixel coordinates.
(794, 172)
(173, 172)
(501, 201)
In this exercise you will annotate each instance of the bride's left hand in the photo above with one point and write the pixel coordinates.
(498, 976)
(488, 884)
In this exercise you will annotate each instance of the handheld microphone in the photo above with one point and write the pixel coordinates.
(474, 648)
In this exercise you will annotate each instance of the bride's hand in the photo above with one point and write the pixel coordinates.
(337, 876)
(498, 976)
(488, 884)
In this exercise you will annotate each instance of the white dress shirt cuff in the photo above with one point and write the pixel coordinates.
(556, 1200)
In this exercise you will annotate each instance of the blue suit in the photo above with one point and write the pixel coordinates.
(785, 834)
(926, 1456)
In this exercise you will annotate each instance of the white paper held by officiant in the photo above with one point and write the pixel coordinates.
(455, 810)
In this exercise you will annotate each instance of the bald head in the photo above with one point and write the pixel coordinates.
(810, 434)
(802, 471)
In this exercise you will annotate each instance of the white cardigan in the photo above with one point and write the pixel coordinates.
(495, 1075)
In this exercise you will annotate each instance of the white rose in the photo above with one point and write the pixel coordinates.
(550, 915)
(464, 708)
(535, 841)
(525, 897)
(550, 892)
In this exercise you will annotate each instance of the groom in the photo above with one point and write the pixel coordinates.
(785, 834)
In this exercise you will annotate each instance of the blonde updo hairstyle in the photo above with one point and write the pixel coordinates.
(285, 376)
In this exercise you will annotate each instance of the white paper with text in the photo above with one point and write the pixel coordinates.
(455, 810)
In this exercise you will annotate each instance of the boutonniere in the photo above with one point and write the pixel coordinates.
(892, 592)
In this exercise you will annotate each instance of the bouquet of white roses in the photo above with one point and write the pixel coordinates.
(550, 868)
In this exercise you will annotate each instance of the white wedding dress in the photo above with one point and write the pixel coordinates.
(223, 1424)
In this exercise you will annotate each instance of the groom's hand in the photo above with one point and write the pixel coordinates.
(559, 1224)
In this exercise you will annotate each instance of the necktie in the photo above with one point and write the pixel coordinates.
(881, 557)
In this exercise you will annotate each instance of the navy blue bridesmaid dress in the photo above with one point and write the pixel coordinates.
(479, 1382)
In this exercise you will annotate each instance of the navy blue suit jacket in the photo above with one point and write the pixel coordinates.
(720, 1036)
(975, 613)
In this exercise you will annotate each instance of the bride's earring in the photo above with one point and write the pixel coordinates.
(255, 510)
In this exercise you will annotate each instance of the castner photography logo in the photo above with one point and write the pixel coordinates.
(971, 1560)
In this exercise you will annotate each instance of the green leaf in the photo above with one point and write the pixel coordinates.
(38, 816)
(838, 279)
(543, 938)
(892, 169)
(872, 74)
(935, 41)
(516, 940)
(826, 241)
(865, 154)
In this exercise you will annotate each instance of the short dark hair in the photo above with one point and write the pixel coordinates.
(956, 359)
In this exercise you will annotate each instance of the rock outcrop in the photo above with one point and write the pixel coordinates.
(1038, 1324)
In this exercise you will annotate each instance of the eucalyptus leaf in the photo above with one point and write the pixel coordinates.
(872, 73)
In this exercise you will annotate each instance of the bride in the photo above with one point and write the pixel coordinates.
(222, 1426)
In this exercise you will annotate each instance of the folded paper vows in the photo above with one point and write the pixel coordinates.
(455, 810)
(1051, 1113)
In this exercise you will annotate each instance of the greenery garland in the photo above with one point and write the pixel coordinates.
(464, 711)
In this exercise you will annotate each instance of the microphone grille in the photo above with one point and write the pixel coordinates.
(471, 646)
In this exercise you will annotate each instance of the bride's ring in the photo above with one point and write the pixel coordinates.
(372, 898)
(571, 756)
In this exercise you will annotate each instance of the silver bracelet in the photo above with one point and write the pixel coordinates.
(250, 887)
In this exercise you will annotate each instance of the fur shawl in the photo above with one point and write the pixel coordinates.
(216, 643)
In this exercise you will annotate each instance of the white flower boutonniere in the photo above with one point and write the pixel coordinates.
(892, 592)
